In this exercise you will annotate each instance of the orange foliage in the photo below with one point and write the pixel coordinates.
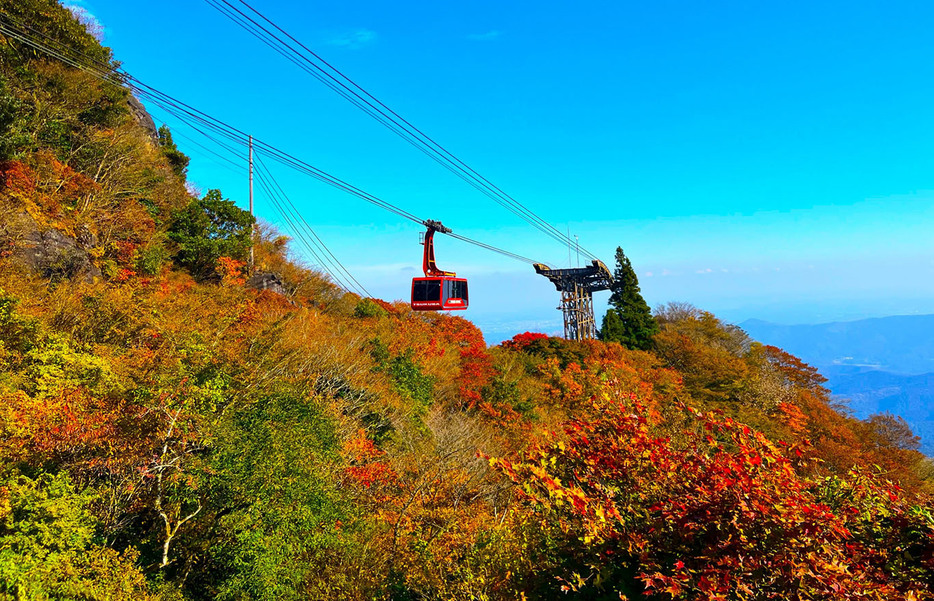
(367, 467)
(67, 427)
(794, 417)
(794, 369)
(231, 271)
(17, 179)
(388, 307)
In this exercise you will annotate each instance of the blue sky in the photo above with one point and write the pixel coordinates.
(769, 160)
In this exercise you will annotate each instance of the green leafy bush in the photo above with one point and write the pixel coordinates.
(208, 229)
(49, 548)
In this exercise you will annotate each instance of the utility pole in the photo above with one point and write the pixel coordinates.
(569, 246)
(577, 241)
(253, 225)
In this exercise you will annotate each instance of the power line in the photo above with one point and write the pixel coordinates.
(310, 62)
(288, 211)
(326, 252)
(297, 233)
(191, 115)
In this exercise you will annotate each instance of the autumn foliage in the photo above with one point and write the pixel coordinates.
(718, 511)
(169, 432)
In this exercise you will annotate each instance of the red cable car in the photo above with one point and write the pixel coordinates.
(438, 290)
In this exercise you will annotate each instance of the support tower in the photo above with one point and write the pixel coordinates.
(577, 286)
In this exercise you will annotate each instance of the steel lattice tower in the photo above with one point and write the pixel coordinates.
(577, 286)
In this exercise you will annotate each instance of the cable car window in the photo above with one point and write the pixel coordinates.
(426, 290)
(459, 289)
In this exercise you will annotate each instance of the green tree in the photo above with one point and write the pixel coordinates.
(177, 159)
(9, 112)
(49, 547)
(208, 229)
(629, 320)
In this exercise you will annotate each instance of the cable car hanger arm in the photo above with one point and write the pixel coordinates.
(428, 259)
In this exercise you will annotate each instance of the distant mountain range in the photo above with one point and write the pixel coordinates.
(876, 365)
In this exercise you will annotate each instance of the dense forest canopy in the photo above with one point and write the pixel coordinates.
(169, 432)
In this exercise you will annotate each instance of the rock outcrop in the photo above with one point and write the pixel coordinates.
(143, 118)
(52, 253)
(267, 281)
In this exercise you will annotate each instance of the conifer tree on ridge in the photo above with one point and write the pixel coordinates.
(629, 320)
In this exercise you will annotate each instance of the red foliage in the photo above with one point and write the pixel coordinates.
(519, 342)
(476, 363)
(476, 373)
(368, 468)
(124, 275)
(721, 514)
(17, 179)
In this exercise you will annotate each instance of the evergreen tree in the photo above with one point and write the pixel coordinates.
(177, 159)
(208, 229)
(629, 320)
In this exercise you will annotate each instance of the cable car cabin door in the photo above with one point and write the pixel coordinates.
(439, 294)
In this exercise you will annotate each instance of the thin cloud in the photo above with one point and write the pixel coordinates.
(485, 37)
(354, 40)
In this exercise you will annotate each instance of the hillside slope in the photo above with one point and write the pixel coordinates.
(168, 431)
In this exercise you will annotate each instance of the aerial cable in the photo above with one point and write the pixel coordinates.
(187, 120)
(362, 104)
(188, 114)
(334, 261)
(402, 129)
(296, 231)
(411, 133)
(288, 211)
(291, 221)
(400, 126)
(204, 148)
(412, 129)
(505, 253)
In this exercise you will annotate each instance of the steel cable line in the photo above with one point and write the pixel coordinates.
(303, 167)
(180, 110)
(356, 286)
(329, 256)
(288, 217)
(287, 210)
(238, 166)
(290, 220)
(412, 134)
(187, 114)
(400, 126)
(354, 98)
(297, 232)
